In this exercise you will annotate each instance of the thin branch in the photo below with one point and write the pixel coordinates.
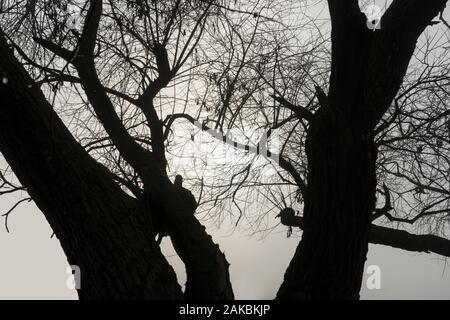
(387, 205)
(300, 111)
(6, 215)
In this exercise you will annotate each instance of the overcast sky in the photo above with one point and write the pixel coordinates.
(34, 266)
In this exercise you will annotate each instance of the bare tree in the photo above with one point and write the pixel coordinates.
(367, 70)
(394, 122)
(123, 83)
(154, 40)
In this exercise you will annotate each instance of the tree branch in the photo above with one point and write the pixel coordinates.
(258, 150)
(412, 16)
(301, 112)
(87, 41)
(407, 241)
(287, 166)
(386, 236)
(349, 40)
(392, 48)
(345, 13)
(387, 205)
(58, 50)
(145, 101)
(132, 152)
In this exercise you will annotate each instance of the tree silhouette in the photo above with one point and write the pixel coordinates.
(159, 207)
(367, 70)
(94, 154)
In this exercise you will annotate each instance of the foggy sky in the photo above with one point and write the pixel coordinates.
(34, 265)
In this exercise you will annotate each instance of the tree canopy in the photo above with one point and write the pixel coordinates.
(177, 99)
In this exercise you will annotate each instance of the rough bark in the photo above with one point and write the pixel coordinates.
(329, 261)
(367, 70)
(206, 266)
(166, 208)
(101, 229)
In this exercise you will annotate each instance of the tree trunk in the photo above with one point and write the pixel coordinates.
(101, 229)
(108, 234)
(329, 261)
(367, 70)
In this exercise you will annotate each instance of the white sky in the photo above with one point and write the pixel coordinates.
(34, 266)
